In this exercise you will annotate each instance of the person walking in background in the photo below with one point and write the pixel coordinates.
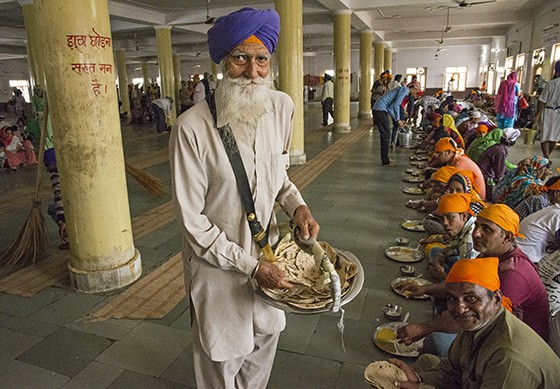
(505, 101)
(548, 113)
(327, 99)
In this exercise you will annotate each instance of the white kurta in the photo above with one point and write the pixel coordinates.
(218, 251)
(539, 228)
(550, 96)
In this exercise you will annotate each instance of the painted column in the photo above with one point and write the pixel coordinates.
(146, 76)
(342, 70)
(387, 60)
(290, 65)
(215, 71)
(36, 71)
(177, 72)
(165, 61)
(123, 81)
(378, 60)
(366, 39)
(79, 72)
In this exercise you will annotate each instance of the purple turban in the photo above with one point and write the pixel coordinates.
(49, 157)
(557, 67)
(233, 29)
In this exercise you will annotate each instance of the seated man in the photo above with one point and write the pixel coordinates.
(448, 154)
(457, 220)
(494, 348)
(494, 233)
(539, 228)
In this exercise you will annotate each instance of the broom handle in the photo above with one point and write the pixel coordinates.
(41, 152)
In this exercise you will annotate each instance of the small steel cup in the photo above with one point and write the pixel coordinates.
(392, 312)
(407, 270)
(402, 241)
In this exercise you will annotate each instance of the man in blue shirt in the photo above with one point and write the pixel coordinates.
(390, 104)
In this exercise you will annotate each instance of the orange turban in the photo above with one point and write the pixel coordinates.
(455, 202)
(482, 129)
(479, 271)
(504, 217)
(443, 174)
(445, 144)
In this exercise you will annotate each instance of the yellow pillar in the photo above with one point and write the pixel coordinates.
(79, 72)
(37, 73)
(378, 60)
(342, 70)
(366, 39)
(290, 65)
(165, 61)
(177, 72)
(146, 76)
(387, 60)
(215, 71)
(123, 81)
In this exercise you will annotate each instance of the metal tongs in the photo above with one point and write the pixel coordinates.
(311, 246)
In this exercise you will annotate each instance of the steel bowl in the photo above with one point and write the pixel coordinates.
(392, 312)
(407, 270)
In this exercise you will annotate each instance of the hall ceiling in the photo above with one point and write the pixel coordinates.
(402, 24)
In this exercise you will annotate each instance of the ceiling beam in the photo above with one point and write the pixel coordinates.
(138, 14)
(412, 36)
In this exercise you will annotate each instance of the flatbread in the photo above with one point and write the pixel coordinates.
(312, 286)
(383, 375)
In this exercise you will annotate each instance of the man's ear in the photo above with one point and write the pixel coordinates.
(508, 236)
(498, 297)
(465, 216)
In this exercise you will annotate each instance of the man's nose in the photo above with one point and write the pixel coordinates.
(251, 69)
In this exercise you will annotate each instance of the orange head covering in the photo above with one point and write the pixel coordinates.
(443, 174)
(253, 39)
(482, 129)
(555, 186)
(504, 217)
(479, 271)
(446, 144)
(454, 202)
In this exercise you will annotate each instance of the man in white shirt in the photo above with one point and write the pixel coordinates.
(161, 108)
(540, 228)
(327, 99)
(199, 89)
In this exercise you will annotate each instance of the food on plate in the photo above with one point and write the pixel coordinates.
(383, 374)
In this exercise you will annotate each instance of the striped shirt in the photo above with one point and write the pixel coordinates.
(531, 205)
(391, 101)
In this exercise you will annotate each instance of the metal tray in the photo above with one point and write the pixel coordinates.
(355, 288)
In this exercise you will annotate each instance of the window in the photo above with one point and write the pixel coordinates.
(455, 78)
(22, 85)
(509, 65)
(520, 67)
(420, 74)
(138, 80)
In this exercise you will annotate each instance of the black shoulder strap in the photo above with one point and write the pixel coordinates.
(259, 234)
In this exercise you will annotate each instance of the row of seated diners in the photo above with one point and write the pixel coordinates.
(493, 223)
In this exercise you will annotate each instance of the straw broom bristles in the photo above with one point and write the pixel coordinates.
(31, 243)
(152, 184)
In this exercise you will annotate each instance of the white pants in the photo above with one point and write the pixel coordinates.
(249, 371)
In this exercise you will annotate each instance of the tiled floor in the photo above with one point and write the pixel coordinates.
(45, 341)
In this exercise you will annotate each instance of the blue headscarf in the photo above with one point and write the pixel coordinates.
(233, 29)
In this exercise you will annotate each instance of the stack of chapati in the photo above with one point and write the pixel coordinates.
(311, 286)
(383, 375)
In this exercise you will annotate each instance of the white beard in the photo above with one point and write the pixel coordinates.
(241, 102)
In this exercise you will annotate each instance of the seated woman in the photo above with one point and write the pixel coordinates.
(485, 138)
(523, 182)
(549, 196)
(464, 182)
(17, 153)
(492, 162)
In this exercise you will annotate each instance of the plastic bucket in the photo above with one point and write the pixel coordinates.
(405, 139)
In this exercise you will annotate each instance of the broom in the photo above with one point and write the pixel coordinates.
(152, 184)
(32, 242)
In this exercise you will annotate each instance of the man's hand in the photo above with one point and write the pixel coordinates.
(270, 276)
(412, 332)
(437, 270)
(400, 123)
(306, 223)
(412, 378)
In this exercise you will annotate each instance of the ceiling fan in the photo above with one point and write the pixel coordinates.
(209, 19)
(465, 4)
(447, 26)
(440, 41)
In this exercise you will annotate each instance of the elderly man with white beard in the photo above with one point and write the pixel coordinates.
(235, 334)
